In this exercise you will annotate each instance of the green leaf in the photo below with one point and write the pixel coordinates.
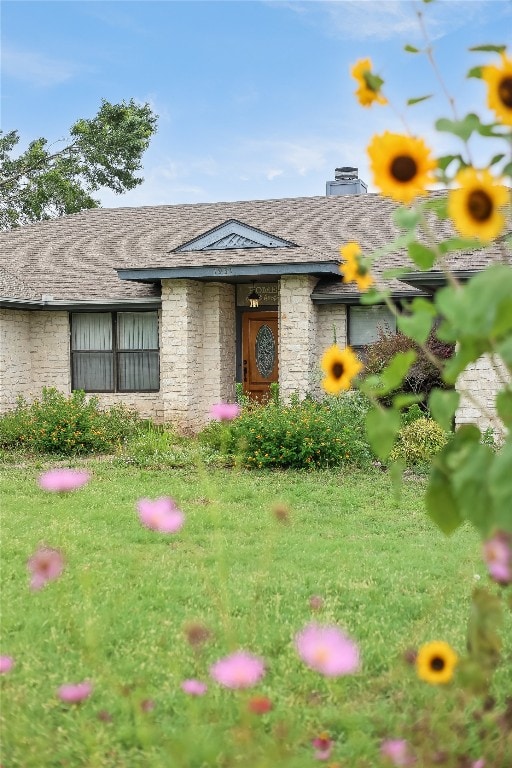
(460, 244)
(501, 486)
(504, 406)
(439, 206)
(418, 99)
(489, 48)
(405, 400)
(475, 72)
(373, 296)
(470, 484)
(461, 128)
(418, 324)
(504, 350)
(382, 428)
(446, 160)
(422, 256)
(440, 503)
(411, 49)
(496, 159)
(405, 218)
(442, 404)
(396, 370)
(507, 170)
(374, 82)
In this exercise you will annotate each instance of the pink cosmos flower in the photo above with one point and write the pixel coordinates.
(323, 746)
(6, 664)
(478, 763)
(74, 693)
(63, 480)
(46, 564)
(497, 552)
(160, 515)
(224, 411)
(327, 650)
(397, 752)
(194, 687)
(239, 670)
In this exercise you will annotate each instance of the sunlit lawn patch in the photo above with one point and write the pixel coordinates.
(136, 613)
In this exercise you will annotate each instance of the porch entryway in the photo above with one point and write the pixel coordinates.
(260, 359)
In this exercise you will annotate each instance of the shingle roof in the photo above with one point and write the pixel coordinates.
(75, 257)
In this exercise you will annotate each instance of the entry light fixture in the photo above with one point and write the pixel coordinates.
(253, 298)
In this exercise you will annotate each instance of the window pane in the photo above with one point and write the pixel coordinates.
(93, 371)
(137, 330)
(365, 323)
(91, 330)
(138, 371)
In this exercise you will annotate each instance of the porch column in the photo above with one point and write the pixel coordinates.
(181, 354)
(219, 344)
(297, 331)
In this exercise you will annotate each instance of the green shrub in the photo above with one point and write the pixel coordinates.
(301, 435)
(66, 425)
(418, 441)
(423, 376)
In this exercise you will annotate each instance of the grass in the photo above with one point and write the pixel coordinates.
(117, 617)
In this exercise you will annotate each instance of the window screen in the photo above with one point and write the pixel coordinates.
(365, 322)
(115, 351)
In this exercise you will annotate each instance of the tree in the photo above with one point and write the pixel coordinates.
(103, 152)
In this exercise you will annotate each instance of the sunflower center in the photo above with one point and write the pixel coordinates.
(337, 370)
(437, 664)
(505, 91)
(404, 168)
(480, 205)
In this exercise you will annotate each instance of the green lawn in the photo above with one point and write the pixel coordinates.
(118, 613)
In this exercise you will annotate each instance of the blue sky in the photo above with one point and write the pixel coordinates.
(254, 97)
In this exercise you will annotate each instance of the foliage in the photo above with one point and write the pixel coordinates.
(104, 151)
(66, 425)
(418, 441)
(302, 435)
(424, 374)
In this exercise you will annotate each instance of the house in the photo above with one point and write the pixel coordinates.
(152, 306)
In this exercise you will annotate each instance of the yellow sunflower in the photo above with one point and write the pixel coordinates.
(401, 165)
(475, 206)
(499, 94)
(436, 662)
(340, 367)
(369, 83)
(353, 268)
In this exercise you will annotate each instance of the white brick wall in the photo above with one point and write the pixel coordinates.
(331, 322)
(482, 379)
(297, 334)
(15, 364)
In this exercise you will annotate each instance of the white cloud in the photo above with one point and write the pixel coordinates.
(389, 19)
(36, 68)
(273, 173)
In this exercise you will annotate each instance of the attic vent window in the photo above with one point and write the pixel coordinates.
(233, 234)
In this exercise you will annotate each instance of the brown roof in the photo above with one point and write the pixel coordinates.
(75, 257)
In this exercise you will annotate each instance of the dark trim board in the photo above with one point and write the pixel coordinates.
(230, 273)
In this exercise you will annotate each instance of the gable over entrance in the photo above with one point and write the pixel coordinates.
(233, 234)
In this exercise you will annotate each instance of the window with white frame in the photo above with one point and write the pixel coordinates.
(115, 351)
(364, 324)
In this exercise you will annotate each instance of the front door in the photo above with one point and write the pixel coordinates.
(259, 350)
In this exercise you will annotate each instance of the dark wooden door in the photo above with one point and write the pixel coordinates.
(260, 356)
